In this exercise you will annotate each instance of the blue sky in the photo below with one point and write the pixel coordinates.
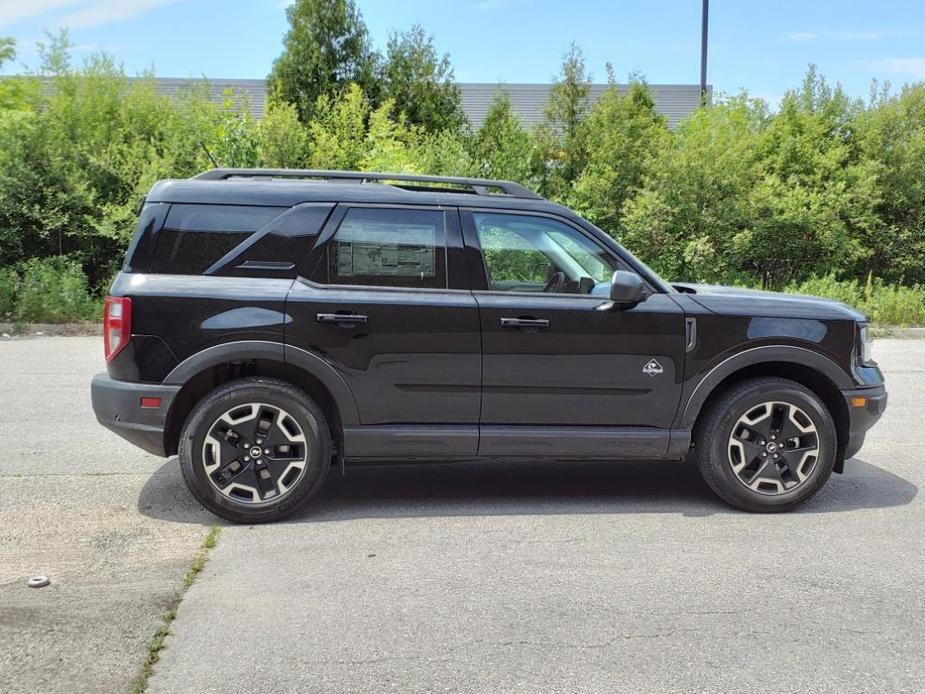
(761, 46)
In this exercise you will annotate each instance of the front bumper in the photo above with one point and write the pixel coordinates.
(117, 405)
(862, 417)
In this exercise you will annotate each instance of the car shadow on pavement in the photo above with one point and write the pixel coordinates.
(525, 488)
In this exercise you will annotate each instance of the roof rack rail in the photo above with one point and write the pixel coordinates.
(480, 186)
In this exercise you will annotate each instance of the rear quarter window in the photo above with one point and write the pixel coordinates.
(195, 236)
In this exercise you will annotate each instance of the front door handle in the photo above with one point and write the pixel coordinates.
(342, 320)
(526, 324)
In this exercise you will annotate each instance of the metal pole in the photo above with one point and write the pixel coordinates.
(705, 23)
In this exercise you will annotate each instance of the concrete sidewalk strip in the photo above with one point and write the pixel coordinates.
(16, 330)
(113, 573)
(113, 528)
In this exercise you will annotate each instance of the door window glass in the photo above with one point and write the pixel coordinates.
(387, 248)
(538, 254)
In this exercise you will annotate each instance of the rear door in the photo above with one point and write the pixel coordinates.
(384, 299)
(550, 357)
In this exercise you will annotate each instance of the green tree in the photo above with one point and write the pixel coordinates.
(337, 131)
(81, 150)
(326, 48)
(444, 153)
(7, 49)
(420, 82)
(891, 135)
(389, 143)
(623, 134)
(694, 199)
(21, 92)
(282, 141)
(501, 148)
(560, 151)
(815, 197)
(234, 135)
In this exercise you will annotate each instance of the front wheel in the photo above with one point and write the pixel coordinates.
(766, 445)
(254, 450)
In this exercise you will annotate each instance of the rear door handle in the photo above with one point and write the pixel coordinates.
(341, 320)
(528, 324)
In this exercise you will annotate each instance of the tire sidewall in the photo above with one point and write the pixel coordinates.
(277, 394)
(733, 487)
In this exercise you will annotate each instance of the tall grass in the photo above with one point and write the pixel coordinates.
(884, 304)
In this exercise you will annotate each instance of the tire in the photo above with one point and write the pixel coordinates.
(239, 480)
(760, 423)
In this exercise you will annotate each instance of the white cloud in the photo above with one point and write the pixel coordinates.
(907, 67)
(104, 11)
(491, 5)
(75, 14)
(872, 35)
(12, 11)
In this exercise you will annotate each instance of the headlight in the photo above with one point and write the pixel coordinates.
(864, 344)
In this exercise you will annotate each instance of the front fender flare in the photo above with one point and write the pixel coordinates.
(695, 394)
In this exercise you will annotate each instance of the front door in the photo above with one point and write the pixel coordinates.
(551, 360)
(385, 301)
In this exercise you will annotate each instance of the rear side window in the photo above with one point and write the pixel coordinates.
(140, 250)
(195, 236)
(387, 248)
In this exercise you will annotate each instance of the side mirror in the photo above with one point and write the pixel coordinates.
(626, 290)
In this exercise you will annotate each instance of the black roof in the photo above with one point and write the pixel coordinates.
(263, 189)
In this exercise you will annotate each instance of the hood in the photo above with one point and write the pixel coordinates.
(739, 301)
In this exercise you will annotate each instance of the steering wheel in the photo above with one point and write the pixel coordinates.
(555, 283)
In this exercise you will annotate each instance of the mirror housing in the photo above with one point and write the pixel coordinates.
(626, 290)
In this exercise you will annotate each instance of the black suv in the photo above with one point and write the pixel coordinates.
(268, 324)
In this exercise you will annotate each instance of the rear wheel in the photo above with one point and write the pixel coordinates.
(254, 450)
(765, 445)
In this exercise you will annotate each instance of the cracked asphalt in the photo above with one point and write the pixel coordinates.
(626, 577)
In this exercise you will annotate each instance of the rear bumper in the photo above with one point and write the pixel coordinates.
(117, 405)
(862, 418)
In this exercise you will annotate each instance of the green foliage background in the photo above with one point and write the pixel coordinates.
(826, 195)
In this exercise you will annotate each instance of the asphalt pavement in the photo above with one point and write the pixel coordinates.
(625, 577)
(527, 577)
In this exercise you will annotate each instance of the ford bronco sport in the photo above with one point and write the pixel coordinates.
(268, 324)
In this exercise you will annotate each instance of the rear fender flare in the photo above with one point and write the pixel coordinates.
(245, 350)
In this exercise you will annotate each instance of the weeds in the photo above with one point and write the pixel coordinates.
(156, 644)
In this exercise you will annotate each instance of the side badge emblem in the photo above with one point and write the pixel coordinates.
(653, 368)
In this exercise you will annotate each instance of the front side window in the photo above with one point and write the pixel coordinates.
(537, 254)
(387, 248)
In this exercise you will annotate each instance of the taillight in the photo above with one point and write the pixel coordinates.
(117, 324)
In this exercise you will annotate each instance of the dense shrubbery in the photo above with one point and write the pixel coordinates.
(8, 282)
(825, 187)
(53, 290)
